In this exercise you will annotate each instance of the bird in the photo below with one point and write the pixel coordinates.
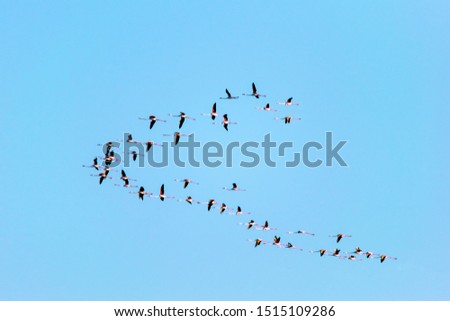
(288, 102)
(213, 112)
(176, 137)
(336, 252)
(183, 117)
(130, 140)
(223, 207)
(141, 193)
(258, 242)
(239, 212)
(265, 227)
(290, 246)
(287, 119)
(266, 108)
(276, 240)
(353, 258)
(211, 203)
(94, 165)
(109, 158)
(229, 96)
(249, 224)
(384, 257)
(254, 92)
(226, 122)
(234, 188)
(321, 252)
(135, 155)
(163, 196)
(150, 144)
(339, 237)
(301, 232)
(102, 175)
(108, 146)
(186, 182)
(153, 120)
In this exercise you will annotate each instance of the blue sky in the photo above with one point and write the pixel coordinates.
(375, 74)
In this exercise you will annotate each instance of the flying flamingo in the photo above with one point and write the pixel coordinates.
(161, 195)
(229, 95)
(182, 116)
(353, 258)
(287, 119)
(265, 227)
(266, 108)
(213, 112)
(301, 232)
(254, 92)
(94, 165)
(288, 102)
(189, 200)
(176, 136)
(226, 122)
(152, 119)
(186, 182)
(102, 175)
(224, 207)
(321, 252)
(276, 240)
(339, 236)
(150, 144)
(238, 212)
(290, 246)
(108, 145)
(384, 257)
(249, 224)
(234, 188)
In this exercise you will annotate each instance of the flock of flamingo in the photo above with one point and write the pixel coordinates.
(109, 157)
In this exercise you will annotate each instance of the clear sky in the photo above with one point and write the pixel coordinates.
(375, 73)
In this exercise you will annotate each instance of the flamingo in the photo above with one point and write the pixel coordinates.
(234, 188)
(321, 252)
(384, 257)
(163, 196)
(213, 112)
(258, 242)
(141, 193)
(287, 119)
(339, 236)
(176, 137)
(276, 240)
(94, 165)
(353, 258)
(229, 95)
(102, 175)
(249, 224)
(238, 212)
(150, 144)
(108, 145)
(182, 116)
(265, 227)
(290, 246)
(266, 108)
(109, 158)
(254, 92)
(211, 203)
(224, 207)
(226, 122)
(301, 232)
(153, 120)
(186, 182)
(288, 102)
